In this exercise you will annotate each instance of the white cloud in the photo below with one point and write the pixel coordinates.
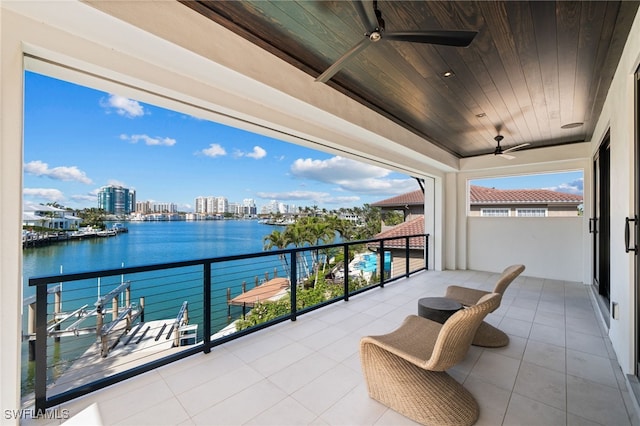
(49, 194)
(310, 196)
(39, 168)
(123, 106)
(335, 169)
(257, 153)
(85, 197)
(574, 187)
(292, 195)
(214, 150)
(148, 140)
(351, 175)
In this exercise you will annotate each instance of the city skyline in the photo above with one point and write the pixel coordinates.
(77, 140)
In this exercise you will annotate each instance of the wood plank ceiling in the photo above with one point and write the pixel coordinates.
(534, 66)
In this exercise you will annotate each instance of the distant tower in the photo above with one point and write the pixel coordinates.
(117, 200)
(201, 205)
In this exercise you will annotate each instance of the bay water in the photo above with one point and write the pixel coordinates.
(145, 243)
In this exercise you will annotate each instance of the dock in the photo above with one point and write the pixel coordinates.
(145, 342)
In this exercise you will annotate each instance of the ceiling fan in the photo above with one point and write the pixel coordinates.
(505, 153)
(375, 33)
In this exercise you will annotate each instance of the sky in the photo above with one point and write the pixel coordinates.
(77, 139)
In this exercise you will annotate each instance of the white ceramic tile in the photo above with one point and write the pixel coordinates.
(168, 412)
(308, 372)
(281, 358)
(355, 408)
(526, 411)
(546, 355)
(587, 343)
(131, 401)
(552, 319)
(515, 349)
(286, 412)
(323, 337)
(596, 402)
(542, 384)
(321, 393)
(521, 313)
(243, 406)
(496, 369)
(492, 400)
(515, 327)
(206, 395)
(183, 379)
(343, 348)
(547, 334)
(591, 367)
(302, 372)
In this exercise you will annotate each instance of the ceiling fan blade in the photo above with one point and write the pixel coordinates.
(506, 156)
(341, 62)
(513, 148)
(445, 38)
(368, 23)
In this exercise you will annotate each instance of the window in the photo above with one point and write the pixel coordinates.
(531, 212)
(494, 212)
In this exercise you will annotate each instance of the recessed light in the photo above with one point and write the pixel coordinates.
(447, 74)
(571, 125)
(482, 114)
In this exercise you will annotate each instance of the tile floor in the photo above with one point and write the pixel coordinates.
(559, 368)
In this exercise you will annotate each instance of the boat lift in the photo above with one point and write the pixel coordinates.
(77, 328)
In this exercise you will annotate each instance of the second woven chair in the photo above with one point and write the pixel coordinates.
(487, 335)
(405, 369)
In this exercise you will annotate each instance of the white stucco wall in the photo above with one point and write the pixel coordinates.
(618, 117)
(548, 247)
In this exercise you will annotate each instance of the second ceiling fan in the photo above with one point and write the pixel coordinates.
(375, 32)
(504, 153)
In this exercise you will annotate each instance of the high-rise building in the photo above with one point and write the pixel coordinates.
(143, 207)
(222, 205)
(114, 199)
(212, 205)
(249, 207)
(201, 205)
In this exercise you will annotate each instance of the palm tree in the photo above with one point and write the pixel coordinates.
(280, 241)
(316, 232)
(295, 235)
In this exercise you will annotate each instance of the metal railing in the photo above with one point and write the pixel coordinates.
(75, 352)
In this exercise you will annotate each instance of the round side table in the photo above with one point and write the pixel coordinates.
(437, 309)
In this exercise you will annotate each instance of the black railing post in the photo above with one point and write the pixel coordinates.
(382, 263)
(294, 286)
(426, 252)
(407, 253)
(206, 307)
(345, 278)
(41, 348)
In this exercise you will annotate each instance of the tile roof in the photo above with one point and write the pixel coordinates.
(265, 291)
(482, 195)
(411, 227)
(409, 198)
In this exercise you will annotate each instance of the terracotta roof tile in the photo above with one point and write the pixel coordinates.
(264, 291)
(409, 198)
(411, 227)
(482, 195)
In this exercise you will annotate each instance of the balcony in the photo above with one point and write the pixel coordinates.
(559, 367)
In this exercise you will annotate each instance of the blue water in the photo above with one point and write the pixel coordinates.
(148, 243)
(151, 243)
(370, 262)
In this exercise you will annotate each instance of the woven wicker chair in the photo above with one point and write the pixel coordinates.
(405, 369)
(487, 335)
